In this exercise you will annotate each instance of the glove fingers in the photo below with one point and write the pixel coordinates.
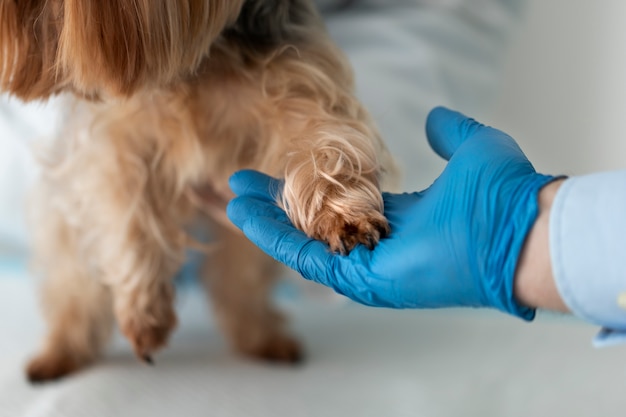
(268, 227)
(446, 130)
(289, 246)
(255, 184)
(240, 209)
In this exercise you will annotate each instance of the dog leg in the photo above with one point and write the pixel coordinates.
(240, 287)
(130, 219)
(146, 315)
(77, 306)
(139, 262)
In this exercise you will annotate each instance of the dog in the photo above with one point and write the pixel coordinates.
(166, 99)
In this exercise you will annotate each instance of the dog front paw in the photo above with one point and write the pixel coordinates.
(342, 214)
(343, 231)
(148, 329)
(146, 337)
(332, 186)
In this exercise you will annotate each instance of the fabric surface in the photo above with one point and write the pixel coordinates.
(361, 362)
(587, 242)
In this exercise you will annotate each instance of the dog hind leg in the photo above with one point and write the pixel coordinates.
(240, 287)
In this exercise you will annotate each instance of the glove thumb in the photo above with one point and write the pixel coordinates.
(446, 130)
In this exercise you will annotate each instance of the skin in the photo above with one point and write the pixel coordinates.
(534, 281)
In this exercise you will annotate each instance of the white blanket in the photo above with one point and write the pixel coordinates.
(361, 362)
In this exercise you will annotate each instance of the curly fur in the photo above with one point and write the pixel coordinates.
(171, 98)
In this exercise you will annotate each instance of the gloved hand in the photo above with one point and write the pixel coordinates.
(456, 243)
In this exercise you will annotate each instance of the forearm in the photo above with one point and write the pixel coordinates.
(534, 280)
(573, 259)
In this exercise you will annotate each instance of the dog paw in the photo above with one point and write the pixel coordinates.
(344, 231)
(148, 333)
(280, 348)
(50, 366)
(343, 211)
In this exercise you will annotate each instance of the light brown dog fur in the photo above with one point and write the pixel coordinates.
(171, 98)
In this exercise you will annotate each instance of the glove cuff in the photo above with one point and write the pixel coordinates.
(523, 217)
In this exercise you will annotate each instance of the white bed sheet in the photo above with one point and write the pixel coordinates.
(361, 362)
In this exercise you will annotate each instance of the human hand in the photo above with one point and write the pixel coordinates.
(457, 243)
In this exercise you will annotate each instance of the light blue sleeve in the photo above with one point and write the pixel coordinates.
(588, 250)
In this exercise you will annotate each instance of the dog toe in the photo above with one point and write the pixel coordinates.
(148, 336)
(344, 233)
(278, 349)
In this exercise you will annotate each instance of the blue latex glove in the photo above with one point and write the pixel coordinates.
(454, 244)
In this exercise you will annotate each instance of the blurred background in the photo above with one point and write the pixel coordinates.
(563, 91)
(550, 73)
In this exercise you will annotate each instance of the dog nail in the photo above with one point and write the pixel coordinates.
(148, 359)
(342, 248)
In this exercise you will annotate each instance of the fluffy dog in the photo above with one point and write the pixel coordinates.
(169, 98)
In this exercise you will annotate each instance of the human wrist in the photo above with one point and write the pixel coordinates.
(534, 284)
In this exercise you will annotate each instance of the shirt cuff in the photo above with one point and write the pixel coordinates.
(588, 250)
(608, 337)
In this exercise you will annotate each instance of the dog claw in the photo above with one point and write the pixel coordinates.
(342, 236)
(342, 248)
(149, 330)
